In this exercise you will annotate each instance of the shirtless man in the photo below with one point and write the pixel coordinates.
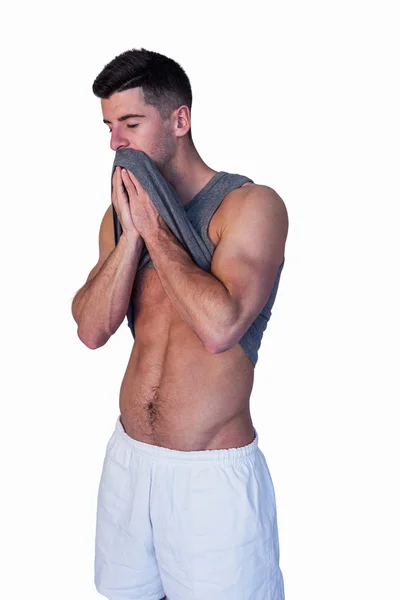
(167, 524)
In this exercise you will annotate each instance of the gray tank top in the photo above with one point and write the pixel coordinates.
(190, 224)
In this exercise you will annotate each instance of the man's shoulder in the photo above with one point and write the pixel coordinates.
(257, 198)
(251, 195)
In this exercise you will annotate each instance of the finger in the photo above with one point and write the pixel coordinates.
(116, 174)
(135, 181)
(120, 184)
(119, 178)
(123, 198)
(114, 186)
(123, 190)
(117, 181)
(129, 182)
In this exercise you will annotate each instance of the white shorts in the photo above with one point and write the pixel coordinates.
(195, 525)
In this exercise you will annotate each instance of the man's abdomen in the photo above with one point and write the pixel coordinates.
(178, 395)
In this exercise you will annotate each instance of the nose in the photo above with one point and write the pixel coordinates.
(118, 141)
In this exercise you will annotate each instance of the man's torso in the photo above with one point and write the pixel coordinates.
(174, 392)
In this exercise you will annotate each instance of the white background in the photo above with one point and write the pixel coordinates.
(300, 96)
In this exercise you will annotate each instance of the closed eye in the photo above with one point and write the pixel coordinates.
(130, 126)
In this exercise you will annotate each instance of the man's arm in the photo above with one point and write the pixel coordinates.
(100, 306)
(221, 305)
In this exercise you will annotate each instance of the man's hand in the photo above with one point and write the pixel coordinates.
(145, 215)
(120, 201)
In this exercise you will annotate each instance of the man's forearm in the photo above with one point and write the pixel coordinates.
(101, 305)
(201, 299)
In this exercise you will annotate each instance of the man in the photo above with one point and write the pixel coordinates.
(186, 505)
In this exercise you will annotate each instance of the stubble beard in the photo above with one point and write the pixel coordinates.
(163, 153)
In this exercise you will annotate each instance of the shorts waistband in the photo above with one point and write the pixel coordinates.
(169, 454)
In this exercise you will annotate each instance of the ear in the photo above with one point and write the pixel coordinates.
(182, 121)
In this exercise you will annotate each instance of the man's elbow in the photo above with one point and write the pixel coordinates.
(219, 348)
(92, 342)
(217, 345)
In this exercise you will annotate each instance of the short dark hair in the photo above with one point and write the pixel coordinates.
(165, 84)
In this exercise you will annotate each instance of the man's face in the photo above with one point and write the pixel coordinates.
(146, 131)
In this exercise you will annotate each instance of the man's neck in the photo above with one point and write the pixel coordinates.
(187, 173)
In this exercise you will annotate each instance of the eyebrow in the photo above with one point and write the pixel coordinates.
(124, 117)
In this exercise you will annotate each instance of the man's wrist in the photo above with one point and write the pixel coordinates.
(132, 242)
